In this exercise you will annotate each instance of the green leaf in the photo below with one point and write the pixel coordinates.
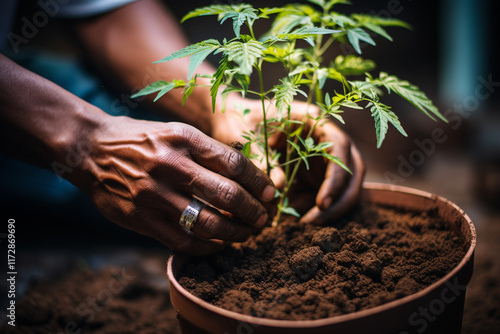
(380, 21)
(377, 29)
(152, 88)
(188, 90)
(164, 91)
(382, 116)
(350, 104)
(265, 12)
(295, 146)
(288, 20)
(220, 10)
(322, 75)
(284, 95)
(365, 88)
(244, 54)
(218, 79)
(290, 211)
(358, 34)
(246, 150)
(323, 146)
(301, 33)
(352, 65)
(239, 18)
(196, 59)
(332, 3)
(337, 161)
(409, 92)
(338, 19)
(209, 44)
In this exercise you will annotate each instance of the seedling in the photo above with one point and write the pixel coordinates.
(298, 38)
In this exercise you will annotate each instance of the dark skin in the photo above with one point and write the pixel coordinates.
(143, 174)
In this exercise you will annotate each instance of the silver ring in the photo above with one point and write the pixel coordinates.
(190, 214)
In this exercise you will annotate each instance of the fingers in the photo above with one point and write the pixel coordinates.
(219, 191)
(231, 163)
(210, 229)
(178, 238)
(347, 200)
(336, 178)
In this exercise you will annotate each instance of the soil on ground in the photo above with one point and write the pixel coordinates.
(113, 300)
(296, 271)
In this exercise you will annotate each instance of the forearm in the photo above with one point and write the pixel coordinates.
(127, 41)
(41, 122)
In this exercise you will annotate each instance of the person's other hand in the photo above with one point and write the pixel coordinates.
(142, 175)
(326, 191)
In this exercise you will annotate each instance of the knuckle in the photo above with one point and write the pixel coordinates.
(210, 226)
(235, 162)
(229, 194)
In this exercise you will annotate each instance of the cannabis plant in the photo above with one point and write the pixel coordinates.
(299, 36)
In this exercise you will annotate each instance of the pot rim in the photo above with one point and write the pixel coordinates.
(350, 316)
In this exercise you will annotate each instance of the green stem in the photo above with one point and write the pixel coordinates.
(263, 100)
(250, 27)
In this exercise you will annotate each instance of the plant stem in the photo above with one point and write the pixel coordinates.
(263, 100)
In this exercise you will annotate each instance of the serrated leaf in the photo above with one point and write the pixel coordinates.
(323, 146)
(302, 33)
(320, 3)
(218, 79)
(340, 20)
(351, 104)
(337, 161)
(239, 18)
(354, 35)
(309, 143)
(378, 30)
(284, 94)
(332, 3)
(265, 12)
(288, 20)
(244, 54)
(382, 116)
(188, 90)
(352, 65)
(409, 92)
(196, 59)
(220, 10)
(365, 88)
(164, 91)
(209, 44)
(322, 74)
(380, 21)
(152, 88)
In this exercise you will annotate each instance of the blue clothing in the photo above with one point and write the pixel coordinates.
(55, 8)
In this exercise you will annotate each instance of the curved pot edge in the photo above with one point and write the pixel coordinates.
(351, 316)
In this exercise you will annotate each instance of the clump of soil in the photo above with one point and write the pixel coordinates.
(114, 300)
(298, 272)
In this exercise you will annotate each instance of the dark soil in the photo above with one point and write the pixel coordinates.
(297, 271)
(113, 300)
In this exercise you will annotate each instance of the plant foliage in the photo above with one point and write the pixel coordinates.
(320, 25)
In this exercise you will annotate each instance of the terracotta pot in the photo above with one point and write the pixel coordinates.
(435, 309)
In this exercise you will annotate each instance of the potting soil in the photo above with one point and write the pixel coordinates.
(297, 271)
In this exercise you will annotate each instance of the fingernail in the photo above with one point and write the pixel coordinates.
(262, 220)
(268, 194)
(327, 202)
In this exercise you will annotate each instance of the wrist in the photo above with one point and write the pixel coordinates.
(71, 146)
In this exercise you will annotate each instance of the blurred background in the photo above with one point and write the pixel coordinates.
(451, 54)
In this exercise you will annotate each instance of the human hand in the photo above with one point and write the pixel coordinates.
(142, 175)
(326, 191)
